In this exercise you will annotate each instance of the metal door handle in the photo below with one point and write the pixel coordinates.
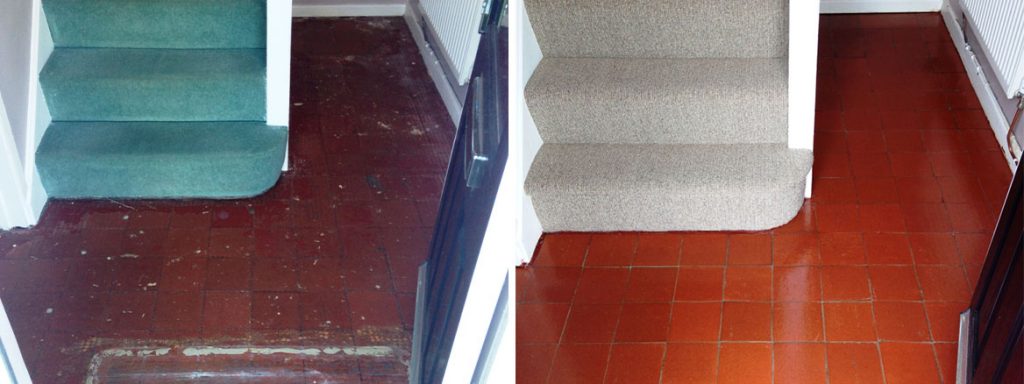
(477, 162)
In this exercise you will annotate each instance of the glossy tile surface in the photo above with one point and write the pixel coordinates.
(871, 274)
(327, 257)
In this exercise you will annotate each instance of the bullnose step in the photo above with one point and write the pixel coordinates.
(160, 160)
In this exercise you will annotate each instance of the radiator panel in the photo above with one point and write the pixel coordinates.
(456, 24)
(1001, 38)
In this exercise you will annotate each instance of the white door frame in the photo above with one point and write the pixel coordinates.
(13, 365)
(15, 208)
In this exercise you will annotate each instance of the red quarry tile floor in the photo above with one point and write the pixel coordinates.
(327, 258)
(871, 274)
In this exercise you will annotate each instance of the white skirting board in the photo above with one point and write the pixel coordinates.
(981, 85)
(880, 6)
(348, 10)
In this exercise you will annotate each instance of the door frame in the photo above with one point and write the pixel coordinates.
(14, 369)
(15, 208)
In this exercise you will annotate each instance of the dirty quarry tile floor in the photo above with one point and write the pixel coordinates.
(314, 280)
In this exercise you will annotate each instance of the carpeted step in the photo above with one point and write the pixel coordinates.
(681, 101)
(660, 28)
(101, 84)
(157, 23)
(160, 160)
(648, 187)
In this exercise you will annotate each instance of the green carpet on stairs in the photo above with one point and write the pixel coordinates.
(194, 24)
(158, 99)
(160, 160)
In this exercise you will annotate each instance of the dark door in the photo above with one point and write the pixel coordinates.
(471, 185)
(992, 344)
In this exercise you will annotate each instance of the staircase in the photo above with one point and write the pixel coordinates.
(663, 115)
(158, 99)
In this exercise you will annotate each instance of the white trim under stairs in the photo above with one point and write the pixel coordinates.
(880, 6)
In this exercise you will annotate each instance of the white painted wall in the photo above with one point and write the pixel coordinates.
(526, 138)
(15, 59)
(803, 70)
(339, 8)
(25, 45)
(880, 6)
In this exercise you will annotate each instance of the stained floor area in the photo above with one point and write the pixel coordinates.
(863, 286)
(327, 258)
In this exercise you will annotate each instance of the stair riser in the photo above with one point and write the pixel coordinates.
(141, 100)
(691, 101)
(674, 121)
(660, 28)
(157, 23)
(749, 210)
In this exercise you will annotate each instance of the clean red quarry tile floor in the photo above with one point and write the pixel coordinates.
(864, 286)
(328, 257)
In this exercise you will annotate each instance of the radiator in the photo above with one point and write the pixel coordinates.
(456, 27)
(999, 25)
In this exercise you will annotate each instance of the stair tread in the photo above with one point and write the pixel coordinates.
(160, 159)
(117, 84)
(660, 28)
(616, 167)
(686, 101)
(157, 23)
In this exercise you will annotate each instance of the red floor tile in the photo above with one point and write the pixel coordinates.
(849, 322)
(750, 249)
(797, 284)
(746, 321)
(579, 363)
(796, 249)
(841, 283)
(635, 363)
(797, 322)
(695, 321)
(611, 250)
(746, 363)
(565, 250)
(602, 285)
(658, 250)
(854, 363)
(651, 285)
(704, 249)
(894, 283)
(748, 283)
(640, 322)
(705, 283)
(533, 362)
(690, 363)
(799, 363)
(541, 284)
(901, 321)
(888, 248)
(842, 248)
(909, 363)
(587, 323)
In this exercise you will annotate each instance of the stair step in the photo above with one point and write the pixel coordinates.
(681, 101)
(645, 187)
(160, 160)
(157, 23)
(660, 28)
(103, 84)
